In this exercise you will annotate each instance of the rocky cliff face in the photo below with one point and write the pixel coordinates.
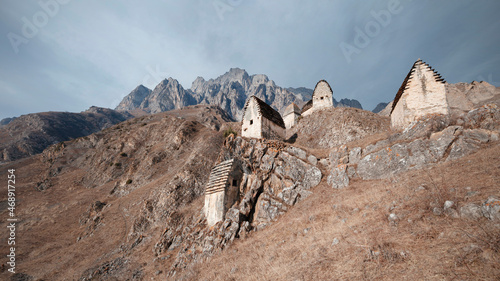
(229, 91)
(31, 134)
(167, 95)
(347, 103)
(134, 99)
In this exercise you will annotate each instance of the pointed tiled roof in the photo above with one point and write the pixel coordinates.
(218, 177)
(266, 111)
(307, 106)
(292, 108)
(404, 86)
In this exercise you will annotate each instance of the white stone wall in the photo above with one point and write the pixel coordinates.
(291, 119)
(272, 131)
(251, 114)
(424, 96)
(322, 96)
(214, 207)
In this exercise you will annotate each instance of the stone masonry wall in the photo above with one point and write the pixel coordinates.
(423, 96)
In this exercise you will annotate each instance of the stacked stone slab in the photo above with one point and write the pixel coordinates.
(291, 115)
(221, 190)
(322, 98)
(260, 120)
(422, 93)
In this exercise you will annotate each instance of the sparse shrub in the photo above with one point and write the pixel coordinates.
(123, 154)
(118, 164)
(144, 124)
(229, 131)
(110, 163)
(129, 181)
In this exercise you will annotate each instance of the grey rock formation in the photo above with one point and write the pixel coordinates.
(348, 103)
(380, 107)
(231, 90)
(491, 208)
(471, 211)
(167, 95)
(134, 99)
(303, 93)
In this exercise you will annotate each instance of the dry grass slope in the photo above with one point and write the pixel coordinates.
(333, 127)
(346, 234)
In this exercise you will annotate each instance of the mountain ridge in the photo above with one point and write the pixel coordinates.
(229, 91)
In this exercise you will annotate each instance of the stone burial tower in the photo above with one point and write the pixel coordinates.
(291, 115)
(222, 190)
(260, 120)
(422, 93)
(322, 98)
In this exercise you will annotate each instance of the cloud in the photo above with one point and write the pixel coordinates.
(95, 52)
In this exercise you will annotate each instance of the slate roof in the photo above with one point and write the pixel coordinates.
(218, 177)
(266, 111)
(404, 86)
(292, 108)
(307, 106)
(326, 84)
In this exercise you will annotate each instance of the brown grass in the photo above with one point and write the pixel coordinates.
(418, 246)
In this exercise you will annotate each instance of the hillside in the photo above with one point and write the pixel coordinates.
(113, 188)
(30, 134)
(347, 234)
(336, 126)
(347, 198)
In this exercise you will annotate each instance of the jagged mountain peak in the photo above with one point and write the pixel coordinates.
(229, 91)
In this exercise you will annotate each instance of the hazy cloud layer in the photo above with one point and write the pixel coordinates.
(66, 55)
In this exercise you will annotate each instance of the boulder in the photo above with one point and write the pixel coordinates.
(491, 208)
(339, 155)
(355, 155)
(338, 177)
(471, 211)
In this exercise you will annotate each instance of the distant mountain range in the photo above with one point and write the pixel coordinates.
(30, 134)
(229, 91)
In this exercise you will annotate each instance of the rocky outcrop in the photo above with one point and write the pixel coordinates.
(427, 141)
(463, 97)
(275, 178)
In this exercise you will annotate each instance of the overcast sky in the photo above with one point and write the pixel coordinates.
(71, 54)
